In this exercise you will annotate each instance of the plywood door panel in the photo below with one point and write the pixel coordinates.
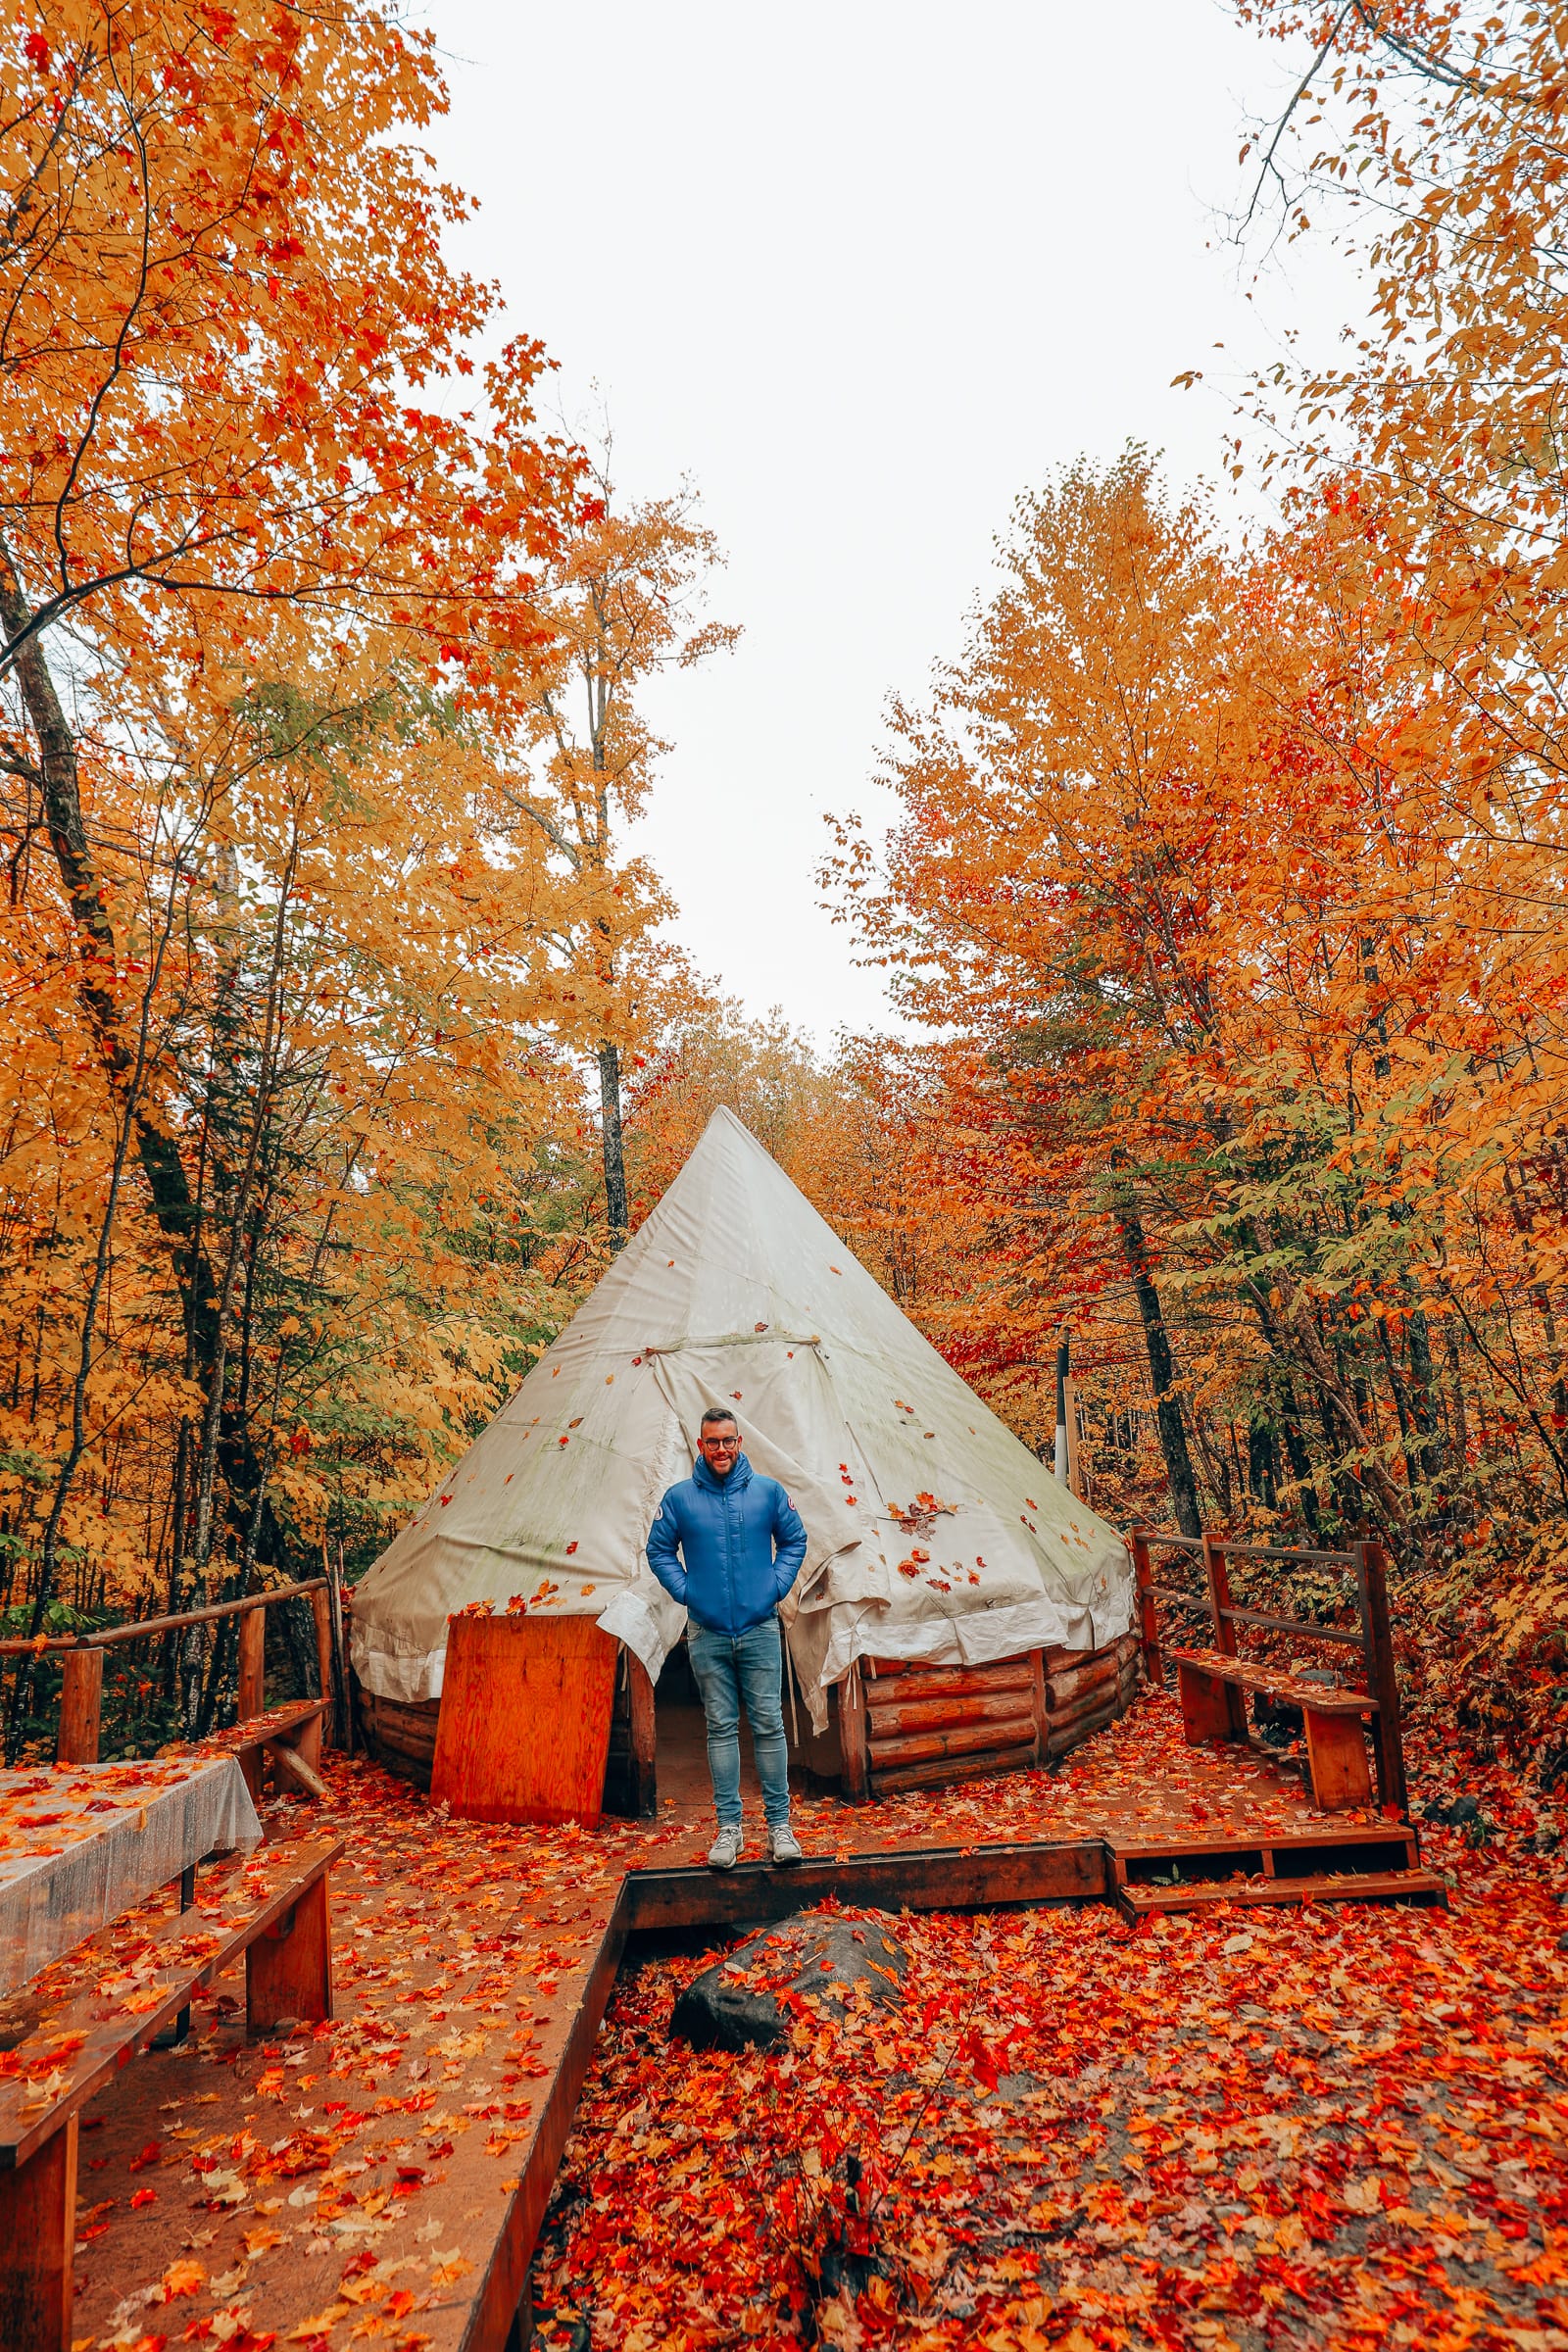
(524, 1728)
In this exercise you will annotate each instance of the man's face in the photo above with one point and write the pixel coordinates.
(719, 1444)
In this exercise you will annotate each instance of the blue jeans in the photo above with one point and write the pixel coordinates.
(730, 1666)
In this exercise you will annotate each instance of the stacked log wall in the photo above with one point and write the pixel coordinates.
(401, 1735)
(926, 1726)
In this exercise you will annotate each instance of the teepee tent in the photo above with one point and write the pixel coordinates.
(935, 1535)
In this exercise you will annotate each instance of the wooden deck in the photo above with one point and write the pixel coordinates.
(393, 2165)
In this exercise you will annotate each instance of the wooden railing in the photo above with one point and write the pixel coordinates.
(82, 1659)
(1373, 1640)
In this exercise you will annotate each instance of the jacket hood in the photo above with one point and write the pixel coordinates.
(740, 1476)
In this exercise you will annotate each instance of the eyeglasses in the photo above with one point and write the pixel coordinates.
(722, 1444)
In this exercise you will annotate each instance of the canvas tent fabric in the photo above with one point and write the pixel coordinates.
(934, 1534)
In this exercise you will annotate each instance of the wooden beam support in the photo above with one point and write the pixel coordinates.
(1381, 1680)
(946, 1714)
(896, 1686)
(252, 1695)
(923, 1879)
(289, 1760)
(1101, 1667)
(1336, 1755)
(1147, 1609)
(1105, 1700)
(321, 1612)
(1064, 1735)
(37, 2246)
(288, 1969)
(855, 1762)
(1217, 1576)
(644, 1741)
(306, 1741)
(82, 1704)
(965, 1739)
(1205, 1709)
(948, 1772)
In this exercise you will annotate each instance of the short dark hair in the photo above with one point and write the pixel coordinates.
(719, 1413)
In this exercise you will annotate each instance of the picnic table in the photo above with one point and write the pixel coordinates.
(83, 1843)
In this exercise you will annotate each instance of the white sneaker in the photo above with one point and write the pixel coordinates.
(783, 1845)
(725, 1850)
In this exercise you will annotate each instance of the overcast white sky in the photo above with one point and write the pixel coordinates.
(866, 271)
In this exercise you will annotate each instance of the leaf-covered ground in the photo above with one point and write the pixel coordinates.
(1256, 2129)
(1260, 2129)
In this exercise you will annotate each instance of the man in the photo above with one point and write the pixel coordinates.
(742, 1543)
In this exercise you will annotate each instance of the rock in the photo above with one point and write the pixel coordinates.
(1277, 1721)
(743, 2000)
(1452, 1816)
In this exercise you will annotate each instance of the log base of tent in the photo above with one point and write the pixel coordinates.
(906, 1726)
(399, 1733)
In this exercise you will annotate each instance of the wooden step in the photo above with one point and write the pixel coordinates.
(1282, 1842)
(1342, 1886)
(1284, 1854)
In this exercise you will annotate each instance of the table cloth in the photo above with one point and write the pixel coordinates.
(81, 1843)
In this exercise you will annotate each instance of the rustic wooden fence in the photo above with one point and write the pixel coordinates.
(1371, 1639)
(82, 1658)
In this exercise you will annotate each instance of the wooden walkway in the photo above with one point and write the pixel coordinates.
(393, 2165)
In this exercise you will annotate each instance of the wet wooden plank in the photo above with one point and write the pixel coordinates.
(1356, 1887)
(930, 1879)
(97, 2034)
(1275, 1683)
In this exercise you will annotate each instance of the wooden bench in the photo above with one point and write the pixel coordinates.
(283, 1931)
(1213, 1691)
(288, 1738)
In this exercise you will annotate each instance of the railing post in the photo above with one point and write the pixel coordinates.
(1387, 1741)
(1220, 1601)
(321, 1612)
(343, 1681)
(1148, 1608)
(252, 1663)
(81, 1701)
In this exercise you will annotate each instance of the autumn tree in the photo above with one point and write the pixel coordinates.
(220, 288)
(622, 597)
(1199, 993)
(260, 572)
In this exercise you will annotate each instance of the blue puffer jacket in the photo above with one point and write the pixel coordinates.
(725, 1530)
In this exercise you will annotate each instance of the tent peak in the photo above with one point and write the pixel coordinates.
(723, 1116)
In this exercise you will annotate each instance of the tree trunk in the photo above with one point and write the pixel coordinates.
(1161, 1370)
(1299, 1454)
(615, 1163)
(157, 1152)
